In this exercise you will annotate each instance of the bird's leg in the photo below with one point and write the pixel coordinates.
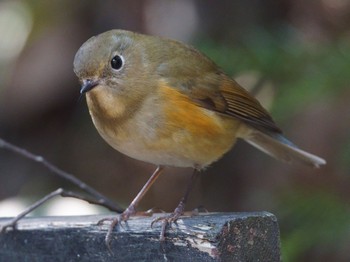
(131, 210)
(179, 210)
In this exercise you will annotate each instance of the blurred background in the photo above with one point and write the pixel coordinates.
(295, 53)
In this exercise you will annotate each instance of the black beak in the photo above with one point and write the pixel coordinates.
(88, 85)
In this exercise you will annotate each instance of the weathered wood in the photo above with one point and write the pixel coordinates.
(206, 237)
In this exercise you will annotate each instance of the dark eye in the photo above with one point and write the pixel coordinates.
(117, 62)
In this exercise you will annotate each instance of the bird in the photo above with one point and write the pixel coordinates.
(164, 102)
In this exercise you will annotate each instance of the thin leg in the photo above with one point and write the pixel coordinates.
(132, 207)
(131, 210)
(179, 210)
(64, 193)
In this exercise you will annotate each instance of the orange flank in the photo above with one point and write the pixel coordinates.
(185, 113)
(206, 134)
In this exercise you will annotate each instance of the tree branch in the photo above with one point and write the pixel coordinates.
(100, 199)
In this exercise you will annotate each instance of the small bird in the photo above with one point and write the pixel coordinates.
(164, 102)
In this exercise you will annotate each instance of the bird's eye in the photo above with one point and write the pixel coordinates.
(117, 62)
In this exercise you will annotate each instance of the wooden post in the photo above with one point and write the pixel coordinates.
(206, 237)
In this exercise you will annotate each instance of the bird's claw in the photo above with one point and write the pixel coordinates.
(165, 222)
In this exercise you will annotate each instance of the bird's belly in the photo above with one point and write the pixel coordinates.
(195, 142)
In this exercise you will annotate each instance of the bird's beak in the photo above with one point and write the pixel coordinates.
(88, 85)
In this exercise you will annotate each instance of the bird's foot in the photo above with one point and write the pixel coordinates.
(115, 221)
(168, 220)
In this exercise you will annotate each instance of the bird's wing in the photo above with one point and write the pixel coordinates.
(220, 93)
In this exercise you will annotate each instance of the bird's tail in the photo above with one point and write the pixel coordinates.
(279, 147)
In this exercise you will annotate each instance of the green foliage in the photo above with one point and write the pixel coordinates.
(309, 220)
(344, 154)
(302, 73)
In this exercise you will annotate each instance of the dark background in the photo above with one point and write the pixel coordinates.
(300, 50)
